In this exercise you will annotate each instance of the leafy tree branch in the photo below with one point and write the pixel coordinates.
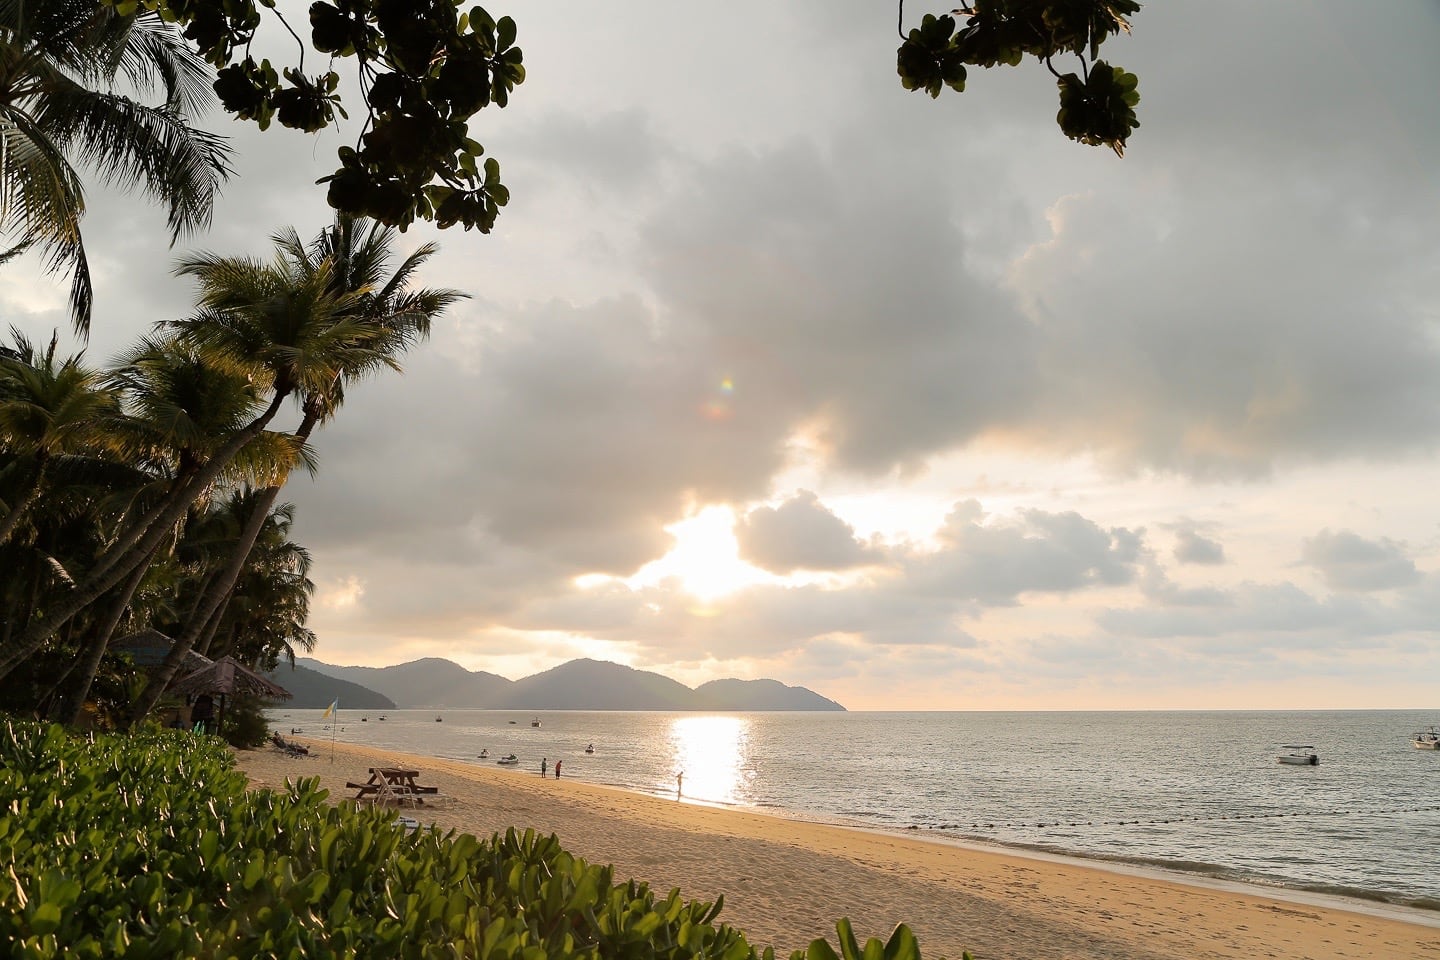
(1097, 105)
(425, 68)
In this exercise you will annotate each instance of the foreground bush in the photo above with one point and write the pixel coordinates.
(149, 846)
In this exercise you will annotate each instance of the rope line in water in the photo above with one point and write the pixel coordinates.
(1202, 819)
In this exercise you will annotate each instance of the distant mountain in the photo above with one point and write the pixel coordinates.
(433, 683)
(422, 684)
(759, 695)
(598, 685)
(314, 689)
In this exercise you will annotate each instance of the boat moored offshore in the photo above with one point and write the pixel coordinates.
(1301, 755)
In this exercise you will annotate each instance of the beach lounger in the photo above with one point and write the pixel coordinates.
(291, 749)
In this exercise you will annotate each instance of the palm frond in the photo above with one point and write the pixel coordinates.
(131, 145)
(156, 50)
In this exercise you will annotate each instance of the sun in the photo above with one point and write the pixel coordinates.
(705, 560)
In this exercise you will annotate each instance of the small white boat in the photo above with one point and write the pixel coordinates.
(1302, 755)
(509, 761)
(1426, 739)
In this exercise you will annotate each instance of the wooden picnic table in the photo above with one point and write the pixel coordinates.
(388, 782)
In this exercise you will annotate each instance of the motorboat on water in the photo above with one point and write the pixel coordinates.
(485, 753)
(509, 761)
(1426, 739)
(535, 722)
(590, 749)
(1301, 755)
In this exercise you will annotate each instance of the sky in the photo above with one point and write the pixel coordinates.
(772, 368)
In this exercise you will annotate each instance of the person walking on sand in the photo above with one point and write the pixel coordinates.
(543, 762)
(679, 782)
(557, 769)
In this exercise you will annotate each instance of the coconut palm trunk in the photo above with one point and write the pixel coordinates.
(73, 704)
(96, 585)
(218, 589)
(207, 637)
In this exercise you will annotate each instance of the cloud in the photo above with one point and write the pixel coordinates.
(1348, 561)
(798, 275)
(1191, 547)
(851, 312)
(1037, 552)
(1257, 615)
(800, 534)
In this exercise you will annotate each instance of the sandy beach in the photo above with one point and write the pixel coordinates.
(786, 882)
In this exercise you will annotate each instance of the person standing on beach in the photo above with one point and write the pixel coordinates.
(679, 782)
(543, 762)
(557, 769)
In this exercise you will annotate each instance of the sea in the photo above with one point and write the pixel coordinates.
(1201, 794)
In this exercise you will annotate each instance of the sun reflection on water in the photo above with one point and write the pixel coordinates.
(712, 752)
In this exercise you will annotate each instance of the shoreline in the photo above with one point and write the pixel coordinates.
(1381, 903)
(786, 881)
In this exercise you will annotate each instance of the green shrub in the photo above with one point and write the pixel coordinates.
(245, 724)
(149, 846)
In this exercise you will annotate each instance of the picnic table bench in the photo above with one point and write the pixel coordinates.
(392, 783)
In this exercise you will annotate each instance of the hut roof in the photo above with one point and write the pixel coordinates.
(148, 648)
(228, 676)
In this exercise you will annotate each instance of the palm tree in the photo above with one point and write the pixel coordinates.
(264, 616)
(48, 410)
(181, 411)
(349, 262)
(60, 61)
(202, 456)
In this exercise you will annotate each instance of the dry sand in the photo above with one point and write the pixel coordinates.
(787, 882)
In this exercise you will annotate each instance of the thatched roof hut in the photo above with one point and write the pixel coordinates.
(218, 679)
(226, 677)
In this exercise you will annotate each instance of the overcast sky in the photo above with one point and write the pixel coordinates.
(772, 368)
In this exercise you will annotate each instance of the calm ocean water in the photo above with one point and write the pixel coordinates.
(1194, 792)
